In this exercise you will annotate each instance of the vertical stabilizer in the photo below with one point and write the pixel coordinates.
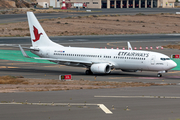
(129, 46)
(38, 36)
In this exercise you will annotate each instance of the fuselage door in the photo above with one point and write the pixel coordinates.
(165, 66)
(47, 53)
(153, 60)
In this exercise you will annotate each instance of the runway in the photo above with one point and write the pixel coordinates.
(155, 102)
(23, 17)
(121, 108)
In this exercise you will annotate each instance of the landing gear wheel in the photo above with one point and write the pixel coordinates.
(109, 73)
(88, 72)
(159, 75)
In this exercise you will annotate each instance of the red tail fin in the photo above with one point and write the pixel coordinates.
(36, 34)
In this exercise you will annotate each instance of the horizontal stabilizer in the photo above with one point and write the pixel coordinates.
(23, 52)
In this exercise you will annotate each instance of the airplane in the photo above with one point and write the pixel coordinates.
(97, 61)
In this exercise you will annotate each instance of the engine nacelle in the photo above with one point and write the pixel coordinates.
(100, 68)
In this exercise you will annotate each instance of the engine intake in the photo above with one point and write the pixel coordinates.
(101, 68)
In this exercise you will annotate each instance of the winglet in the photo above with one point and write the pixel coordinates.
(23, 52)
(129, 46)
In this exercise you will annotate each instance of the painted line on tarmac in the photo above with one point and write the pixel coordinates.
(167, 97)
(151, 78)
(54, 66)
(102, 106)
(118, 77)
(25, 63)
(8, 67)
(17, 45)
(172, 77)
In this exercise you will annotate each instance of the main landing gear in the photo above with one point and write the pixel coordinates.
(88, 72)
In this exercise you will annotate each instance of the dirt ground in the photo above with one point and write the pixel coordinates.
(20, 84)
(24, 10)
(172, 46)
(99, 25)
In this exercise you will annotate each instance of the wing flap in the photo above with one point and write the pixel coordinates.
(23, 52)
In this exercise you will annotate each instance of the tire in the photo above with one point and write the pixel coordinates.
(159, 75)
(88, 72)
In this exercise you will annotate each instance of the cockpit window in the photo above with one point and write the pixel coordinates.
(165, 58)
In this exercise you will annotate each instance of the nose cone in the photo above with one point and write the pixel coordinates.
(172, 64)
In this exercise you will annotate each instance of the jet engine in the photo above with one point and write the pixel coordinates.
(100, 68)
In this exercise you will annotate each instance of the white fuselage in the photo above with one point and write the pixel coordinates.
(96, 60)
(118, 59)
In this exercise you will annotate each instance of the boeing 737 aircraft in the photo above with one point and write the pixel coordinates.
(95, 60)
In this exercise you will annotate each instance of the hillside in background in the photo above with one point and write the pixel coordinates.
(7, 4)
(16, 3)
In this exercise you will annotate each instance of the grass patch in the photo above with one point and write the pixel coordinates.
(172, 46)
(18, 83)
(16, 55)
(21, 29)
(10, 80)
(32, 85)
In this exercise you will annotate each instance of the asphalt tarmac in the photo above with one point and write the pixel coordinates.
(138, 103)
(23, 17)
(155, 102)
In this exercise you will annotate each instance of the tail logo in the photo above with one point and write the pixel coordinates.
(36, 34)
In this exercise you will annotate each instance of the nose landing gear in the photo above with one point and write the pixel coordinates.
(160, 73)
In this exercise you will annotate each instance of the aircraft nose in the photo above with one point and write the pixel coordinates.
(172, 64)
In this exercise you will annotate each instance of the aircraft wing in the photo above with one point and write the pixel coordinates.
(64, 60)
